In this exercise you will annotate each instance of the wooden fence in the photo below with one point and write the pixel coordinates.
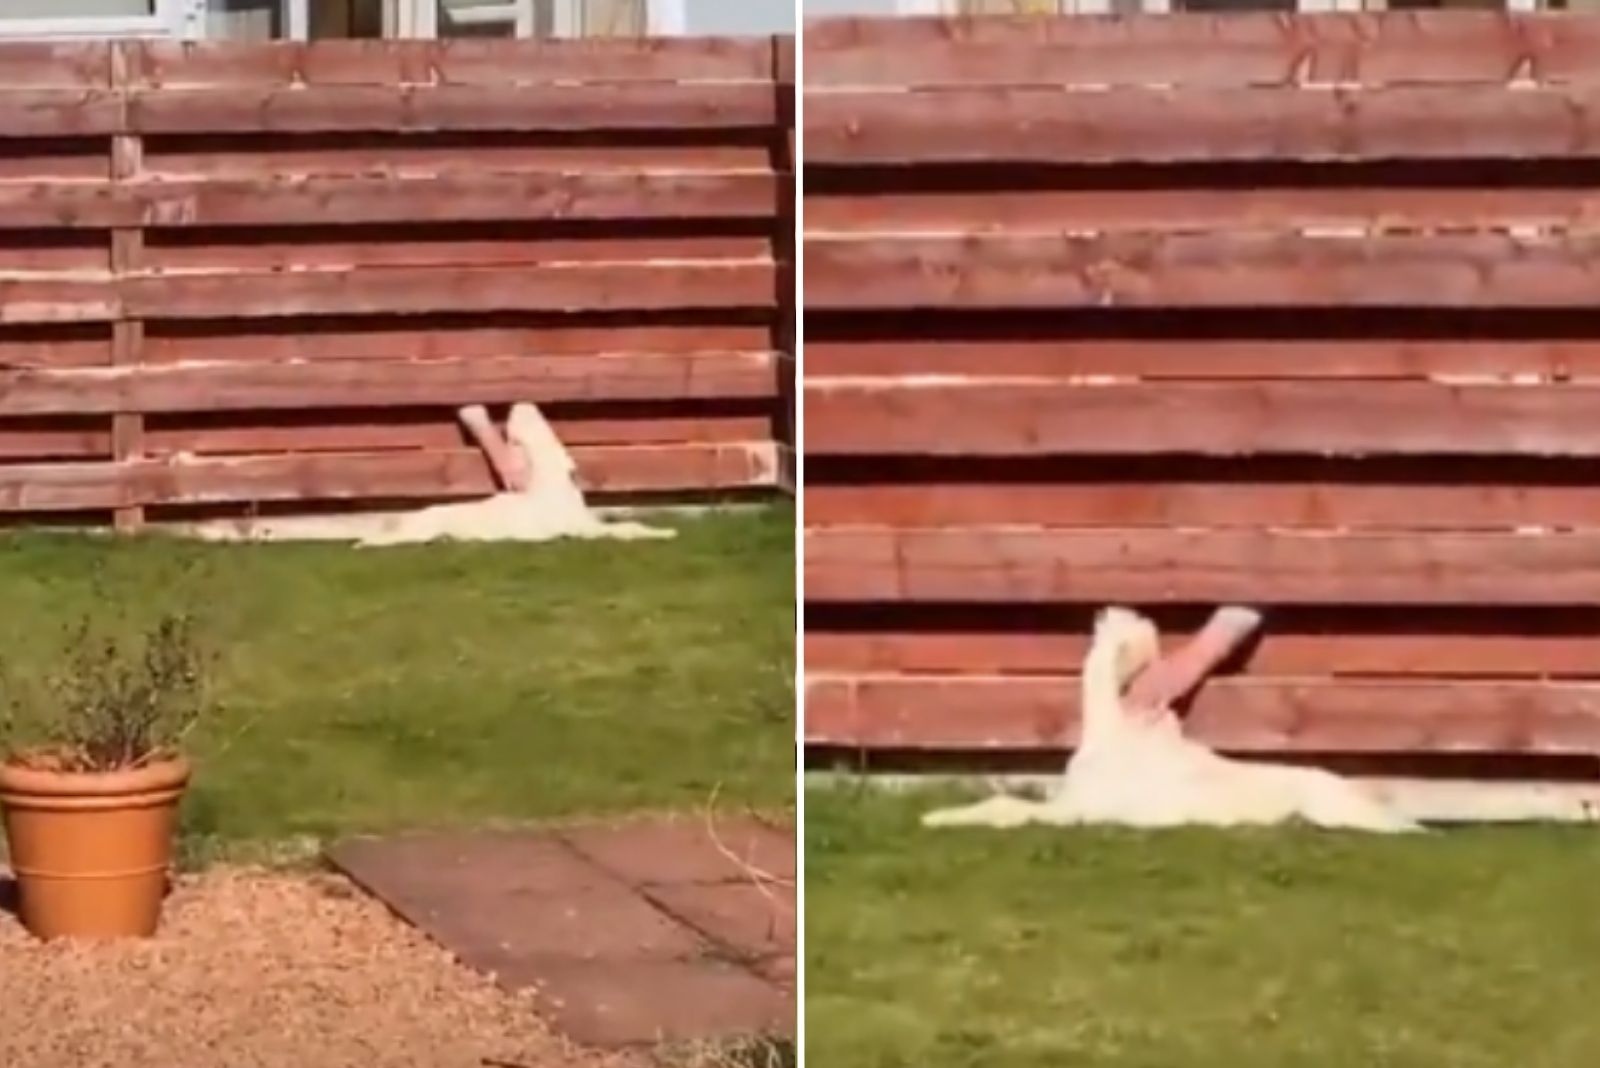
(264, 276)
(1294, 311)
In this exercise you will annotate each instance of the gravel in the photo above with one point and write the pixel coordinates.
(253, 968)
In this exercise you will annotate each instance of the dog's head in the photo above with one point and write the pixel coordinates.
(1134, 638)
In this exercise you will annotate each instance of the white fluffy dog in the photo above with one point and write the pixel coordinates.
(1135, 768)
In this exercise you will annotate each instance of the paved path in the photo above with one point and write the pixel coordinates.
(629, 932)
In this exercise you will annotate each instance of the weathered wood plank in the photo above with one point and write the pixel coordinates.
(37, 298)
(526, 195)
(223, 386)
(56, 345)
(592, 286)
(1238, 715)
(1012, 353)
(425, 337)
(38, 439)
(1231, 270)
(323, 201)
(1054, 653)
(996, 565)
(357, 155)
(477, 246)
(416, 109)
(1212, 502)
(34, 112)
(1125, 125)
(55, 64)
(1015, 417)
(450, 62)
(400, 474)
(909, 208)
(1199, 50)
(93, 204)
(363, 430)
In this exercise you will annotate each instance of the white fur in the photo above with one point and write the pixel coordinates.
(1139, 770)
(551, 506)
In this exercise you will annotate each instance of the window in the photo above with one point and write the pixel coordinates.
(246, 20)
(534, 18)
(98, 18)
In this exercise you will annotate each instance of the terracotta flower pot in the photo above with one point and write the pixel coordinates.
(91, 850)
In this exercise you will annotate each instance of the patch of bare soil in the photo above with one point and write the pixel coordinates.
(264, 969)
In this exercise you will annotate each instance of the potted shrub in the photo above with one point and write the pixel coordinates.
(93, 773)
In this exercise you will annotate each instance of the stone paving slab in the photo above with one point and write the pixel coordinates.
(742, 916)
(607, 1003)
(629, 932)
(685, 849)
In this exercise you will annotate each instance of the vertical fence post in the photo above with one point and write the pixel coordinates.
(127, 252)
(784, 248)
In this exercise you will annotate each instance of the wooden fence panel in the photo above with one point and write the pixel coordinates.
(1173, 311)
(245, 275)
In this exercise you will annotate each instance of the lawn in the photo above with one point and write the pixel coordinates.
(451, 684)
(1268, 949)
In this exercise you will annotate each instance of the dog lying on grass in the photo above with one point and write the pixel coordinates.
(1134, 767)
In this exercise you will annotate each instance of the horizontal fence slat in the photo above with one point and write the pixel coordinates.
(55, 64)
(1125, 125)
(450, 62)
(1243, 49)
(41, 298)
(55, 439)
(60, 113)
(1371, 208)
(65, 487)
(1214, 503)
(585, 286)
(1191, 49)
(222, 386)
(1203, 270)
(1000, 417)
(1239, 715)
(347, 431)
(995, 565)
(248, 156)
(419, 109)
(357, 430)
(1196, 358)
(343, 201)
(1053, 653)
(436, 337)
(594, 286)
(474, 246)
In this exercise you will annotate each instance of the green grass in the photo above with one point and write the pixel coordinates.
(453, 684)
(1269, 949)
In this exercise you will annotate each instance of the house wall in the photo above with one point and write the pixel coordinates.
(739, 17)
(39, 9)
(814, 8)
